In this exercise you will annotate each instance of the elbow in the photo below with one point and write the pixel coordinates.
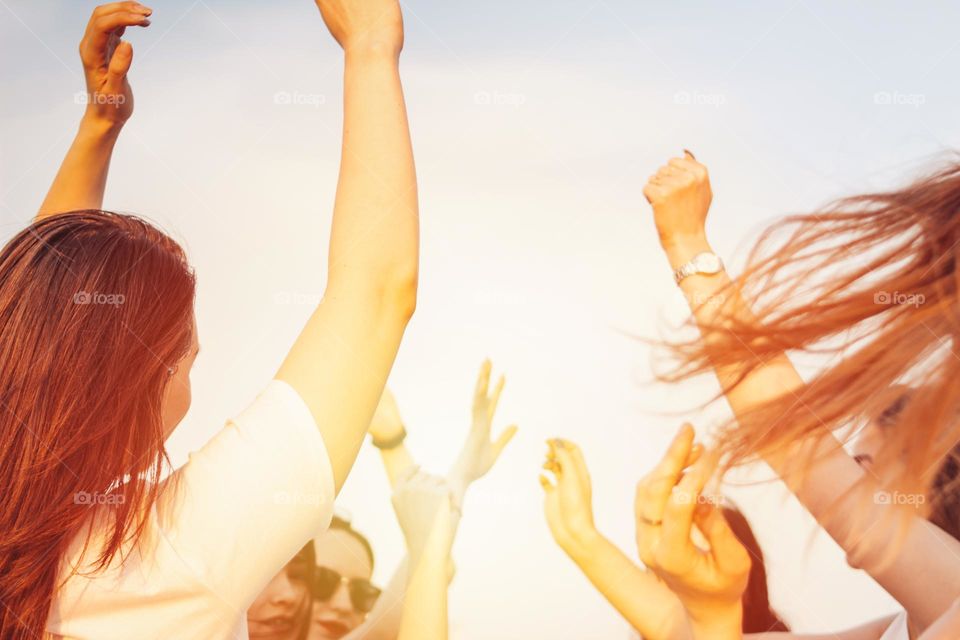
(400, 296)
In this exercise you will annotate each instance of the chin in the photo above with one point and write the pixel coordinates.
(329, 629)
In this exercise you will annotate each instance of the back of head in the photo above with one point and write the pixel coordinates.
(95, 310)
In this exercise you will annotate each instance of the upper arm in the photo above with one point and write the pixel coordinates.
(265, 477)
(340, 363)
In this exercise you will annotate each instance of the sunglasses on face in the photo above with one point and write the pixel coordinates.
(363, 595)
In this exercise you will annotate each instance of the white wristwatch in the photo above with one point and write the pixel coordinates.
(705, 263)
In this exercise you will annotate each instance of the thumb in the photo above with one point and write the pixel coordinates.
(119, 66)
(504, 439)
(726, 549)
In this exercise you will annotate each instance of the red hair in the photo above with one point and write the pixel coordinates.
(96, 309)
(870, 283)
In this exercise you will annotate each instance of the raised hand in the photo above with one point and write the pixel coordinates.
(680, 195)
(107, 59)
(480, 452)
(421, 501)
(82, 179)
(569, 503)
(710, 583)
(373, 25)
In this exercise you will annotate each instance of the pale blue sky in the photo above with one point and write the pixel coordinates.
(535, 125)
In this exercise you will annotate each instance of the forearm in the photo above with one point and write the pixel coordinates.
(825, 489)
(645, 602)
(383, 623)
(82, 178)
(723, 624)
(374, 239)
(870, 631)
(395, 462)
(425, 606)
(457, 479)
(713, 300)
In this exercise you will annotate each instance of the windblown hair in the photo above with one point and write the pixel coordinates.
(944, 496)
(871, 284)
(96, 310)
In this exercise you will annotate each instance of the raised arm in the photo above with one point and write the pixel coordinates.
(340, 362)
(425, 509)
(640, 597)
(106, 58)
(923, 576)
(388, 435)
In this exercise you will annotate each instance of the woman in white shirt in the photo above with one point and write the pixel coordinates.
(97, 344)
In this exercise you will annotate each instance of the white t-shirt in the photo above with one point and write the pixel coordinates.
(238, 511)
(898, 628)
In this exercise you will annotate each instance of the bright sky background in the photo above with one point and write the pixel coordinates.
(535, 126)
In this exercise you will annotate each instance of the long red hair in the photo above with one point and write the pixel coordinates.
(96, 309)
(869, 285)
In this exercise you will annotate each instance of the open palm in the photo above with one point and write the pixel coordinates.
(480, 452)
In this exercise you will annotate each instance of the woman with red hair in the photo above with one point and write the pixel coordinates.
(871, 284)
(95, 355)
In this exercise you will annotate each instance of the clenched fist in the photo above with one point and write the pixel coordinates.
(680, 195)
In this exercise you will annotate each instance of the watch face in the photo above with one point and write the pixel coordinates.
(708, 263)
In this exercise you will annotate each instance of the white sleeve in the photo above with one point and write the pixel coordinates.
(252, 497)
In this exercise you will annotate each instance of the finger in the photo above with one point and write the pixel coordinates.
(695, 452)
(483, 382)
(573, 473)
(546, 484)
(579, 463)
(689, 154)
(573, 485)
(119, 66)
(551, 450)
(95, 47)
(654, 491)
(495, 398)
(678, 514)
(726, 549)
(552, 466)
(683, 164)
(503, 440)
(114, 7)
(652, 192)
(101, 28)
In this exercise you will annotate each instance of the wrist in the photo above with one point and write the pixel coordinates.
(720, 624)
(681, 249)
(95, 127)
(581, 545)
(458, 486)
(372, 52)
